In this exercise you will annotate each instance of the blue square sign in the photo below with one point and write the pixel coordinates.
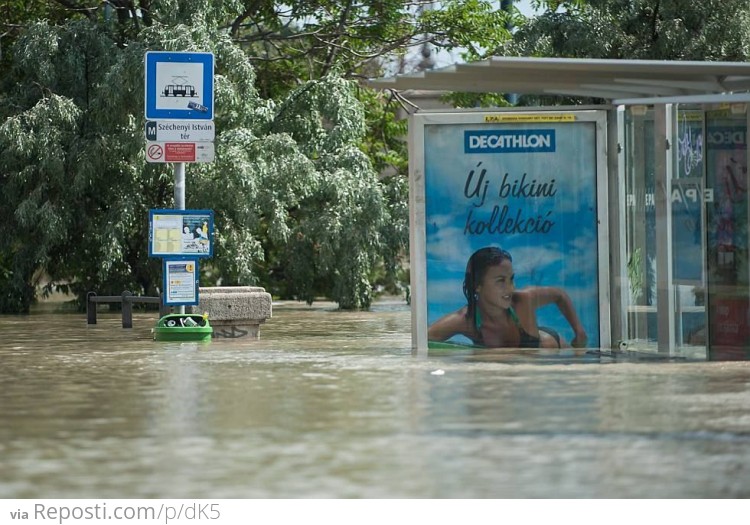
(179, 85)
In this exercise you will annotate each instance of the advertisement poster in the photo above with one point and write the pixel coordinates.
(181, 281)
(727, 220)
(176, 233)
(525, 186)
(727, 217)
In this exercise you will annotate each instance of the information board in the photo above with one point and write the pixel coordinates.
(181, 282)
(177, 233)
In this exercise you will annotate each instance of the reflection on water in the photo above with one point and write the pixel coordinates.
(332, 404)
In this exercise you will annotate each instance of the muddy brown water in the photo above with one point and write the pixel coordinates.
(333, 404)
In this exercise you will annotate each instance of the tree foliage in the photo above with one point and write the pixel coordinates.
(309, 181)
(308, 185)
(623, 29)
(289, 177)
(637, 29)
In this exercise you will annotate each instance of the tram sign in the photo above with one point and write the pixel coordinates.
(179, 85)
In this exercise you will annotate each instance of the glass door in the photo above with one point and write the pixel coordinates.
(707, 295)
(640, 230)
(689, 198)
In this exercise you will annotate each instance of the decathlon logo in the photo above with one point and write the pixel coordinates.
(726, 137)
(510, 141)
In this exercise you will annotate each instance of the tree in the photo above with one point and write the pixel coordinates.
(78, 189)
(309, 183)
(637, 29)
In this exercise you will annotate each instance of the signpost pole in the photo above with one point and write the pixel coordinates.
(179, 186)
(179, 111)
(179, 197)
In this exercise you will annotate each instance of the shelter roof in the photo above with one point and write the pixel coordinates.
(617, 81)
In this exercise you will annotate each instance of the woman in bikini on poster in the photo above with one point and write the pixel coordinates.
(499, 316)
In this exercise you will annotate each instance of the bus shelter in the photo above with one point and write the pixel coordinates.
(639, 206)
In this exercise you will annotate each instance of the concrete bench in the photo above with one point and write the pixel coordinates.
(234, 311)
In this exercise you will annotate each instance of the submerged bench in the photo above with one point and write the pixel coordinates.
(234, 311)
(126, 299)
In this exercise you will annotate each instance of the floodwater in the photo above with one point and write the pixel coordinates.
(332, 404)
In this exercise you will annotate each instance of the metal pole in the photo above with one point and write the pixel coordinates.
(90, 308)
(507, 6)
(665, 314)
(127, 309)
(179, 198)
(163, 308)
(179, 186)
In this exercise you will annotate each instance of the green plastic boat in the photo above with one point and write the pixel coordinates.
(183, 327)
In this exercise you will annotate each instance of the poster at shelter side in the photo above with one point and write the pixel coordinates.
(727, 236)
(527, 188)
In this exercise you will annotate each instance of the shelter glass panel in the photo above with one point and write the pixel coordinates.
(640, 226)
(688, 199)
